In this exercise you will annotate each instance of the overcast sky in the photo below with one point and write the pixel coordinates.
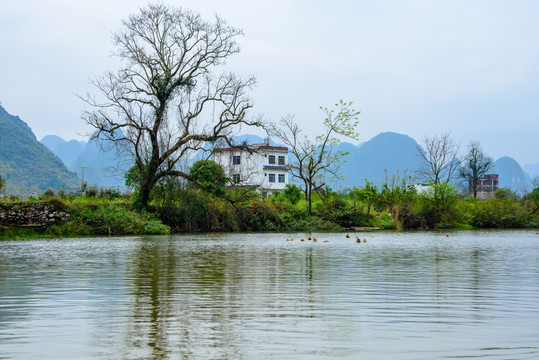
(414, 67)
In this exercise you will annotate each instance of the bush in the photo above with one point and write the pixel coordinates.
(259, 216)
(499, 213)
(113, 220)
(155, 227)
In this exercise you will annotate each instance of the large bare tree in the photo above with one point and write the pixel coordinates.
(474, 165)
(439, 159)
(313, 160)
(170, 95)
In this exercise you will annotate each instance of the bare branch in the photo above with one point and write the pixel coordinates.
(165, 101)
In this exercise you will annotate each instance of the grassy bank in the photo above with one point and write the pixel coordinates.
(185, 209)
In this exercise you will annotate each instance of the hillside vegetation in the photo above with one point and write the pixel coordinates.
(26, 164)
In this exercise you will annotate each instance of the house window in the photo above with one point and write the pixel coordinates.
(271, 178)
(271, 159)
(281, 159)
(236, 159)
(281, 178)
(236, 178)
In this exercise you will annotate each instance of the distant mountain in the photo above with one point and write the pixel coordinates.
(52, 141)
(27, 165)
(102, 167)
(511, 174)
(69, 151)
(396, 153)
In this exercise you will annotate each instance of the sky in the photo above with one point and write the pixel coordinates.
(417, 68)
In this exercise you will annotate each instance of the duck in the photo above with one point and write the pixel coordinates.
(348, 236)
(302, 239)
(315, 239)
(325, 241)
(358, 240)
(364, 240)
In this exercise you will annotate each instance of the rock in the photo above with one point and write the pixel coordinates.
(34, 214)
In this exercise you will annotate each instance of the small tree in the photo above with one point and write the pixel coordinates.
(312, 161)
(474, 166)
(209, 176)
(292, 193)
(397, 194)
(438, 205)
(169, 96)
(533, 201)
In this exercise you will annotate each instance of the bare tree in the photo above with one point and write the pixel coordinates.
(169, 96)
(313, 160)
(474, 165)
(439, 159)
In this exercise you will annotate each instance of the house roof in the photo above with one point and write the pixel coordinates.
(256, 147)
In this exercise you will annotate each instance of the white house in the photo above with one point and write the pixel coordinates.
(264, 167)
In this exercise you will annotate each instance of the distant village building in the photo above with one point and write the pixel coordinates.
(486, 186)
(265, 167)
(422, 187)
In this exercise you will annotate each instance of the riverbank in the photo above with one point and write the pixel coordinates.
(109, 213)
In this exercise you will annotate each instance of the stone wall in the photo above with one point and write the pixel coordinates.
(34, 214)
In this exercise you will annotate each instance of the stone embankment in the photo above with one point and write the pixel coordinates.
(31, 214)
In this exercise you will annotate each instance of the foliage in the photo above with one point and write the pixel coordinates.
(209, 176)
(437, 207)
(259, 216)
(27, 164)
(505, 193)
(396, 196)
(181, 208)
(499, 213)
(532, 201)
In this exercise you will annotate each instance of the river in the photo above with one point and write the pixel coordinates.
(415, 295)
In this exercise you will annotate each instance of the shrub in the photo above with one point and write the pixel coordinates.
(499, 213)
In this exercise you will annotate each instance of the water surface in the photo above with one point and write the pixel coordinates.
(257, 296)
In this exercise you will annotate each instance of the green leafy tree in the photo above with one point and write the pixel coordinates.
(533, 201)
(367, 195)
(314, 160)
(292, 193)
(169, 96)
(209, 176)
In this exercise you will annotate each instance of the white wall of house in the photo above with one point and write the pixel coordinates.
(265, 168)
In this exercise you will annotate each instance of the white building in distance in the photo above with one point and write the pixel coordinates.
(264, 167)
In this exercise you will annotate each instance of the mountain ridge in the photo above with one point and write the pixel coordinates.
(27, 165)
